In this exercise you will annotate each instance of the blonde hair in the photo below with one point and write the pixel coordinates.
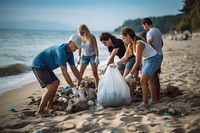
(85, 32)
(130, 46)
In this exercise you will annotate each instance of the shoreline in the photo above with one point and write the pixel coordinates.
(31, 79)
(180, 68)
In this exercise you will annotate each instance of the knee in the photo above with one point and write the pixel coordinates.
(143, 82)
(152, 81)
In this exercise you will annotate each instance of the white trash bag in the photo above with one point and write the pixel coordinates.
(113, 91)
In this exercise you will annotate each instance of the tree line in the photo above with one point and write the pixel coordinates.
(189, 19)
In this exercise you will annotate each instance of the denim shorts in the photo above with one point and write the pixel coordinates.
(88, 59)
(127, 65)
(44, 76)
(150, 65)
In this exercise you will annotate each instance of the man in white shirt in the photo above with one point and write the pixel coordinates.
(154, 38)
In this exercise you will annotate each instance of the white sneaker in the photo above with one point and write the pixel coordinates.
(151, 102)
(143, 106)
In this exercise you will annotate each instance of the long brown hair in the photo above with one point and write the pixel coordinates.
(105, 37)
(128, 31)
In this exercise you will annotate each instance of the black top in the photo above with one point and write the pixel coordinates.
(118, 44)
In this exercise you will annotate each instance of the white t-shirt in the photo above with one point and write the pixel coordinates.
(155, 35)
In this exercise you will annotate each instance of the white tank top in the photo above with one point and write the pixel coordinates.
(148, 51)
(88, 48)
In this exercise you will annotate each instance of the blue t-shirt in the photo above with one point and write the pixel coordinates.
(53, 57)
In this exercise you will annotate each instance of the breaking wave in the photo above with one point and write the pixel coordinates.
(14, 69)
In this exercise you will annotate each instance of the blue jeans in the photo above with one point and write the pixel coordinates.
(128, 65)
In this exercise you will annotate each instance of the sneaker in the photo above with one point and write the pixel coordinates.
(143, 106)
(151, 102)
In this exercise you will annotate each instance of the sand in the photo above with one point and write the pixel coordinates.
(178, 111)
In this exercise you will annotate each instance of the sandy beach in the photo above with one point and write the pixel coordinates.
(178, 111)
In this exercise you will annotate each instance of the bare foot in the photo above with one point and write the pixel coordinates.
(39, 115)
(47, 111)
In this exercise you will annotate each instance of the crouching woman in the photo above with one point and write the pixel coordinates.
(150, 59)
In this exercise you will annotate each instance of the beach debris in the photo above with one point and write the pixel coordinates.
(171, 111)
(66, 102)
(171, 91)
(62, 99)
(34, 100)
(81, 105)
(37, 131)
(13, 110)
(112, 131)
(91, 103)
(87, 93)
(51, 115)
(166, 114)
(166, 125)
(67, 88)
(137, 95)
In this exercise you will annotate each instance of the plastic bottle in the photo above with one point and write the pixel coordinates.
(67, 88)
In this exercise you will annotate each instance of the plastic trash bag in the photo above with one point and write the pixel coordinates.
(113, 91)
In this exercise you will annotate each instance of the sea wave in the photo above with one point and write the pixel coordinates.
(14, 69)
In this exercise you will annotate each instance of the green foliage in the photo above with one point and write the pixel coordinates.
(134, 24)
(164, 23)
(188, 20)
(191, 19)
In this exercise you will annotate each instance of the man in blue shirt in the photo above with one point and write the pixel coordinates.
(49, 59)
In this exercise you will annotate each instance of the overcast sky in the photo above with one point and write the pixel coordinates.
(98, 15)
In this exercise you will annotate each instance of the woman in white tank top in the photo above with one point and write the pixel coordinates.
(150, 59)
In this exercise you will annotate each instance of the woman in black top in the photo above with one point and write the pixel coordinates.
(116, 47)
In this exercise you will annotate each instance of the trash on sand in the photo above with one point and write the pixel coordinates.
(13, 110)
(37, 131)
(166, 125)
(166, 114)
(51, 115)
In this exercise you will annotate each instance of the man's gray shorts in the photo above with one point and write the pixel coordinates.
(44, 76)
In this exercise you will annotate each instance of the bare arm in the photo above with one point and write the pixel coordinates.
(95, 45)
(76, 73)
(149, 41)
(112, 56)
(66, 76)
(79, 52)
(125, 57)
(139, 49)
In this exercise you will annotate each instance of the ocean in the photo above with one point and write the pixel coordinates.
(18, 48)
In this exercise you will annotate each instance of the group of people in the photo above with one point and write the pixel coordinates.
(187, 34)
(132, 50)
